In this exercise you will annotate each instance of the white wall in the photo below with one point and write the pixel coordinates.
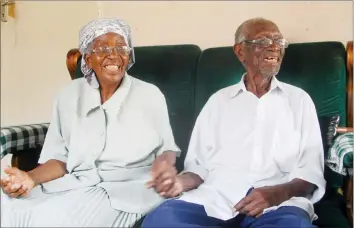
(34, 45)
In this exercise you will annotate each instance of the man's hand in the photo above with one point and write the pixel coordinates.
(259, 199)
(163, 173)
(18, 183)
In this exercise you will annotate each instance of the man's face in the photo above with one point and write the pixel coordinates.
(263, 50)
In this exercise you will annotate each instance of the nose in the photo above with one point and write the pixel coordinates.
(273, 47)
(113, 53)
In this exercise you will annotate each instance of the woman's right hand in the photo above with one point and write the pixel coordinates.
(17, 183)
(175, 190)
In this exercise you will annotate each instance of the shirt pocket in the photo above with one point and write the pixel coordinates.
(286, 149)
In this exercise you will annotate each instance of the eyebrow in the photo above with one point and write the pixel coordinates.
(101, 42)
(265, 35)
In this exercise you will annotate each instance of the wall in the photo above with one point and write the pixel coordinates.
(34, 45)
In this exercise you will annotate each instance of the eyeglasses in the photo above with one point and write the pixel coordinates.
(104, 51)
(266, 42)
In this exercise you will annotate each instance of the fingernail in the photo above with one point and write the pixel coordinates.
(14, 186)
(162, 193)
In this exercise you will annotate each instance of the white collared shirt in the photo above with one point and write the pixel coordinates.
(111, 145)
(241, 141)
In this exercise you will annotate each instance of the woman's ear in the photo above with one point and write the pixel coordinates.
(88, 60)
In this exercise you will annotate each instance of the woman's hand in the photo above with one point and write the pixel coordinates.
(163, 172)
(175, 190)
(17, 184)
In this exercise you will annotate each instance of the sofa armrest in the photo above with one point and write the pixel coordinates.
(24, 143)
(72, 58)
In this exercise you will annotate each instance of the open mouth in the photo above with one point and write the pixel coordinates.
(113, 68)
(271, 59)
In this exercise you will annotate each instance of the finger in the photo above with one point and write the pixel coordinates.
(246, 200)
(11, 170)
(5, 181)
(19, 192)
(255, 203)
(165, 187)
(256, 212)
(176, 191)
(25, 193)
(22, 190)
(10, 188)
(167, 173)
(150, 184)
(157, 169)
(172, 192)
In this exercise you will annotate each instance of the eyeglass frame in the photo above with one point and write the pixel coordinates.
(104, 50)
(257, 42)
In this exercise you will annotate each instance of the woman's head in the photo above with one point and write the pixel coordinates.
(107, 51)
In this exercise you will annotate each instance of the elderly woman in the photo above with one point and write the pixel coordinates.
(109, 150)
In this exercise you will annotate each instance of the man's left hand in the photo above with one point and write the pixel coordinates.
(163, 173)
(259, 199)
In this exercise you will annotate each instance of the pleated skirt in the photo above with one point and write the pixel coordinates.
(86, 207)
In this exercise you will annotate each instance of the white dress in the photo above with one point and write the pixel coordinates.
(108, 150)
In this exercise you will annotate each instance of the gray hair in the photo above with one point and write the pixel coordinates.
(240, 34)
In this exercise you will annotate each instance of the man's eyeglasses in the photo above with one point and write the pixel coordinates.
(266, 42)
(104, 51)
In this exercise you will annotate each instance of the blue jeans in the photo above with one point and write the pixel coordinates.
(178, 213)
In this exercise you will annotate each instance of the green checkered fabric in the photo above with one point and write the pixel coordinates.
(22, 137)
(340, 155)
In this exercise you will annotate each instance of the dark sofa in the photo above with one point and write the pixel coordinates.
(188, 76)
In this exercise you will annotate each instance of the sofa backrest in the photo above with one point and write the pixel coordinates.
(172, 68)
(188, 77)
(318, 68)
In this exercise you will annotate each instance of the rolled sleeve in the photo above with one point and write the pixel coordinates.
(54, 144)
(310, 163)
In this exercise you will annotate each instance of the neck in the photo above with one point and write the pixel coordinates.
(107, 91)
(257, 84)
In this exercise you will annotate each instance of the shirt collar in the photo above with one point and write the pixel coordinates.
(240, 86)
(92, 95)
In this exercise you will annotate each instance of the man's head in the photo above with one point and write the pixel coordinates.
(260, 47)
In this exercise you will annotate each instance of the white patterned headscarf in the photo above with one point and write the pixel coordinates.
(99, 27)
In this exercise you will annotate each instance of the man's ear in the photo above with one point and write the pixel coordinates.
(238, 50)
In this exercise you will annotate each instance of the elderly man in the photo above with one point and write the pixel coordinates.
(255, 157)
